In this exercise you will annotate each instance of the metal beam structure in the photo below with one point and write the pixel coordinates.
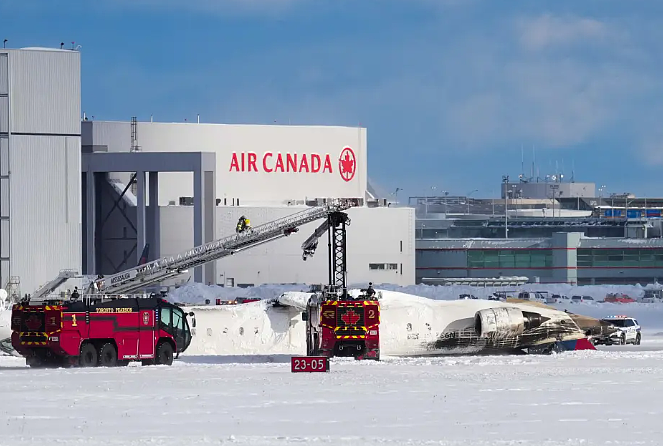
(338, 237)
(335, 226)
(97, 165)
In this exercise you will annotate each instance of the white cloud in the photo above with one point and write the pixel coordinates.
(476, 91)
(549, 30)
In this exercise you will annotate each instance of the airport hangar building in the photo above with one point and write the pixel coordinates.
(62, 204)
(263, 172)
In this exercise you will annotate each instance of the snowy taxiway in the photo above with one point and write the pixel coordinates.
(605, 397)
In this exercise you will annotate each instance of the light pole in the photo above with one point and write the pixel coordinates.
(505, 181)
(395, 194)
(626, 203)
(601, 189)
(468, 199)
(432, 188)
(553, 188)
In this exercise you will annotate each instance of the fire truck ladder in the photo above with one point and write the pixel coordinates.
(158, 270)
(334, 226)
(51, 286)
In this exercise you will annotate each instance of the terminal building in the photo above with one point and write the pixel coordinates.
(90, 195)
(571, 237)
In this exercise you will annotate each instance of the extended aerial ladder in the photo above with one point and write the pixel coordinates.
(134, 279)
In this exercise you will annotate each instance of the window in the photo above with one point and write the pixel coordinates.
(166, 319)
(382, 266)
(509, 258)
(178, 319)
(620, 257)
(166, 316)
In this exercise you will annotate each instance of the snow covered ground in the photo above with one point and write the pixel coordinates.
(234, 387)
(607, 397)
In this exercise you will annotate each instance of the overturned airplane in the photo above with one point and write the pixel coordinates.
(417, 326)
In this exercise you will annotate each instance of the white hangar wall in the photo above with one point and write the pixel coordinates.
(377, 239)
(40, 164)
(255, 163)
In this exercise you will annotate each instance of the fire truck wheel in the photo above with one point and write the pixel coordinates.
(88, 356)
(164, 353)
(108, 355)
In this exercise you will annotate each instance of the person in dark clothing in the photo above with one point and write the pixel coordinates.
(75, 295)
(242, 224)
(370, 292)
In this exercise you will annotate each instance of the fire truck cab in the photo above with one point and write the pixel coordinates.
(100, 331)
(340, 325)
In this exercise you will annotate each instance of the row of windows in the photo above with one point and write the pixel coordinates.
(539, 258)
(509, 258)
(620, 257)
(382, 266)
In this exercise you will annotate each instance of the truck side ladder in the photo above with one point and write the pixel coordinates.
(161, 269)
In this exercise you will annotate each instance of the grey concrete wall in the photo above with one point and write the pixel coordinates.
(543, 190)
(565, 256)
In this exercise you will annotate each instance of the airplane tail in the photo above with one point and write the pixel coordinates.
(144, 254)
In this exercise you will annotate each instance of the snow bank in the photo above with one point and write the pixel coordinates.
(196, 294)
(598, 292)
(5, 324)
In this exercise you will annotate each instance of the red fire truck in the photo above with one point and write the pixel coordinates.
(338, 325)
(100, 331)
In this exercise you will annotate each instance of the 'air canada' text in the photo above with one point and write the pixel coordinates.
(278, 162)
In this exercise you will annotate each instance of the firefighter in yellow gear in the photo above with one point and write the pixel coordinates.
(242, 224)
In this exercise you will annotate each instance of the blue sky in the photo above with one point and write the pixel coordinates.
(451, 90)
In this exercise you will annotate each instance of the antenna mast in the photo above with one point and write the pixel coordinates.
(134, 135)
(134, 148)
(522, 162)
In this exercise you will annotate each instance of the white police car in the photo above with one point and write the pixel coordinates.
(628, 331)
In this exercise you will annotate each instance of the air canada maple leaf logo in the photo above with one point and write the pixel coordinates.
(350, 317)
(347, 164)
(33, 322)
